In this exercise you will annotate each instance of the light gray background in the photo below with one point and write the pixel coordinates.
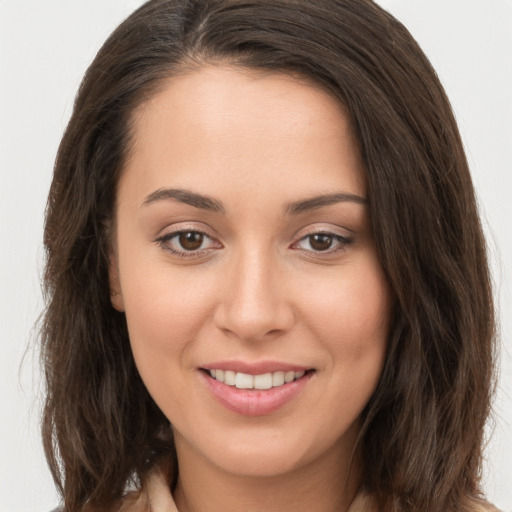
(46, 45)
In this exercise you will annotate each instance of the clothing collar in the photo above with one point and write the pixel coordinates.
(160, 498)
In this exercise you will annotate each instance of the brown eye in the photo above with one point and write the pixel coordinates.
(320, 242)
(327, 243)
(188, 243)
(191, 240)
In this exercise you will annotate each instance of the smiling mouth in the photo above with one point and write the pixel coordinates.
(262, 381)
(255, 394)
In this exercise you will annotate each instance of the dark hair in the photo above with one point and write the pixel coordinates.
(422, 430)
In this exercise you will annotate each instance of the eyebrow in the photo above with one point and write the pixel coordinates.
(208, 203)
(323, 200)
(187, 197)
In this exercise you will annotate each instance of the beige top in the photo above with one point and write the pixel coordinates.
(158, 498)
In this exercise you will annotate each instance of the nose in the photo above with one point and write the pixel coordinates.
(254, 303)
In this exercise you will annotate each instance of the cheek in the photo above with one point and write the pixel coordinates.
(165, 316)
(354, 308)
(165, 311)
(350, 316)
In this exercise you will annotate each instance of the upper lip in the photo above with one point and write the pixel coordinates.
(255, 367)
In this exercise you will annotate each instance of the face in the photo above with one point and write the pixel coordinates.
(257, 307)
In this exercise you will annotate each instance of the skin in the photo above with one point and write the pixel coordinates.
(257, 288)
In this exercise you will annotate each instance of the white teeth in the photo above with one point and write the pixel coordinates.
(262, 381)
(289, 376)
(229, 378)
(277, 378)
(244, 381)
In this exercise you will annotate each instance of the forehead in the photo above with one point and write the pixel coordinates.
(216, 125)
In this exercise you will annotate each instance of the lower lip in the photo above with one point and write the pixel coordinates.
(255, 402)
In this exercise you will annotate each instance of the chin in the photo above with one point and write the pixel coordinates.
(264, 453)
(261, 462)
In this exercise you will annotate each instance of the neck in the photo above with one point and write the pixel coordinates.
(328, 484)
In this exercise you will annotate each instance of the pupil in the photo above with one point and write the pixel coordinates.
(191, 240)
(321, 242)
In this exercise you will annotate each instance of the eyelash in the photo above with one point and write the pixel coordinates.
(342, 241)
(166, 240)
(165, 243)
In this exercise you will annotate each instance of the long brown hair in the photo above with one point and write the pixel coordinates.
(422, 430)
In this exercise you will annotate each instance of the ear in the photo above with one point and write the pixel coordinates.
(116, 296)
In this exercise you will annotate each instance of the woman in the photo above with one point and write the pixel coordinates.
(266, 275)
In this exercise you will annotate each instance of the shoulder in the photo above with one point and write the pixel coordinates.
(365, 502)
(154, 495)
(484, 506)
